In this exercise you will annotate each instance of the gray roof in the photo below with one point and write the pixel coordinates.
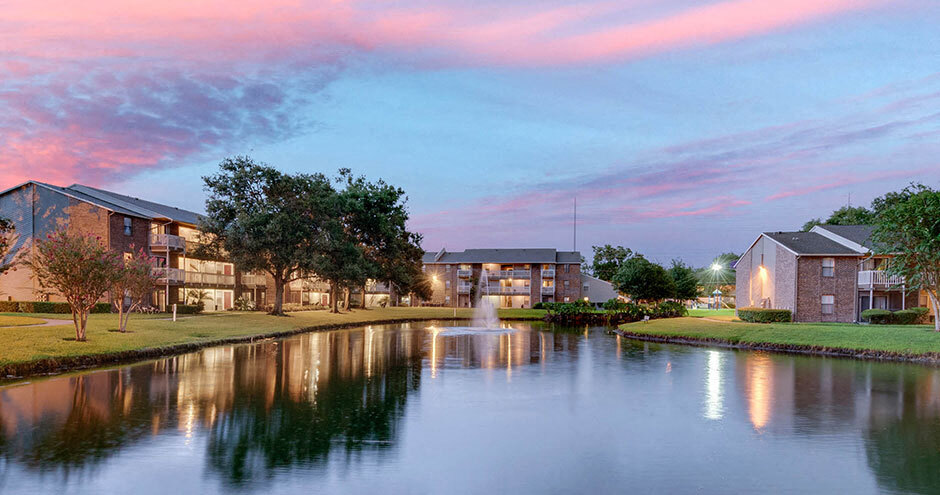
(810, 243)
(859, 234)
(540, 255)
(145, 208)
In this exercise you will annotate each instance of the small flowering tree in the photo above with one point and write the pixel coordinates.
(80, 268)
(136, 281)
(7, 239)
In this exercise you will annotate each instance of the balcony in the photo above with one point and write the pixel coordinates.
(464, 273)
(549, 273)
(548, 291)
(879, 279)
(209, 278)
(252, 280)
(464, 288)
(498, 274)
(164, 242)
(506, 290)
(169, 275)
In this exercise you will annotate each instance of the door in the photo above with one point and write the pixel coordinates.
(227, 300)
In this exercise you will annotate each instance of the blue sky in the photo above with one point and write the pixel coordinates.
(683, 128)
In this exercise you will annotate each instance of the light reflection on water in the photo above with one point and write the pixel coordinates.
(413, 408)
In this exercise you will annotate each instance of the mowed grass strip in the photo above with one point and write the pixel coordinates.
(18, 320)
(901, 339)
(23, 345)
(715, 314)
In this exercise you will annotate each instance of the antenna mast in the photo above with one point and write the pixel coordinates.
(574, 238)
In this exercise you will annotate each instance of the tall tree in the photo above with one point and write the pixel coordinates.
(686, 283)
(644, 280)
(608, 259)
(134, 281)
(908, 229)
(847, 215)
(339, 259)
(267, 220)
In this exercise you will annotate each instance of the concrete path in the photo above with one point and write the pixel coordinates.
(48, 323)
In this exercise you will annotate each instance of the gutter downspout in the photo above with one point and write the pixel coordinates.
(796, 288)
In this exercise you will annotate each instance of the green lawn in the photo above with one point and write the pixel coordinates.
(18, 320)
(901, 339)
(21, 345)
(716, 314)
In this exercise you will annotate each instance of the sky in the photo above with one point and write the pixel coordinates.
(683, 128)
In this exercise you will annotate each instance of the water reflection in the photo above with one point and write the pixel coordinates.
(325, 403)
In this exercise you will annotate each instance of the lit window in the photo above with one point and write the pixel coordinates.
(447, 299)
(828, 267)
(447, 284)
(447, 268)
(828, 304)
(567, 299)
(127, 225)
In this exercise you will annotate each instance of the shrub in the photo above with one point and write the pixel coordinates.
(188, 309)
(9, 306)
(878, 316)
(244, 304)
(669, 309)
(538, 305)
(765, 315)
(101, 307)
(615, 305)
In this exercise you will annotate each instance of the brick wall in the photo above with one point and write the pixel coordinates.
(139, 238)
(811, 286)
(573, 276)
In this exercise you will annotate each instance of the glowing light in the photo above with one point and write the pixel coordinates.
(761, 388)
(716, 267)
(713, 397)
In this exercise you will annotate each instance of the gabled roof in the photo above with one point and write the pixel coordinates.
(858, 234)
(810, 243)
(119, 203)
(539, 255)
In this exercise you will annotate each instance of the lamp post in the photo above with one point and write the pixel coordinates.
(716, 295)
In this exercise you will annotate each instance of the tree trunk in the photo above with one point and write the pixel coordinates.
(936, 309)
(333, 302)
(346, 293)
(278, 308)
(362, 304)
(120, 306)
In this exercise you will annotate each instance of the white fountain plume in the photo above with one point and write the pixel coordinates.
(484, 313)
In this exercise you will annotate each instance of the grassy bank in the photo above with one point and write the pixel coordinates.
(714, 314)
(28, 350)
(902, 342)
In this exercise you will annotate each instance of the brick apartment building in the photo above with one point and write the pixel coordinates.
(828, 274)
(514, 278)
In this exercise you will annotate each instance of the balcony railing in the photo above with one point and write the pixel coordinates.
(165, 241)
(171, 275)
(548, 291)
(550, 273)
(463, 288)
(497, 274)
(209, 278)
(464, 273)
(879, 278)
(505, 290)
(252, 280)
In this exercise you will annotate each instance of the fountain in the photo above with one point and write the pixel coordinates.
(485, 319)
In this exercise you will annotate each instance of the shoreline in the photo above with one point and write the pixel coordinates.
(929, 359)
(11, 373)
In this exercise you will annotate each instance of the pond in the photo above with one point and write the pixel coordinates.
(412, 408)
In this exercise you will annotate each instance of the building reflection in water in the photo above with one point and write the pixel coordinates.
(759, 388)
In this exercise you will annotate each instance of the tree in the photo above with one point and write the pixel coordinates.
(135, 280)
(266, 220)
(643, 280)
(375, 216)
(339, 259)
(847, 215)
(80, 268)
(608, 259)
(686, 283)
(7, 240)
(908, 229)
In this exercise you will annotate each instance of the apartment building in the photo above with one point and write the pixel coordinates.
(170, 234)
(510, 278)
(829, 274)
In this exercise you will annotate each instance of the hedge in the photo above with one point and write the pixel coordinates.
(47, 307)
(765, 315)
(902, 317)
(189, 309)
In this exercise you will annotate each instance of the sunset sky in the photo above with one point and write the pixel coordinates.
(683, 127)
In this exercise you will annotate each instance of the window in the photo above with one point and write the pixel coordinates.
(447, 284)
(828, 267)
(127, 225)
(828, 304)
(567, 299)
(567, 268)
(447, 299)
(566, 284)
(447, 268)
(586, 287)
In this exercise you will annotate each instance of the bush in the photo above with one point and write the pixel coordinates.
(538, 305)
(669, 309)
(765, 315)
(296, 307)
(877, 316)
(189, 309)
(100, 308)
(615, 305)
(9, 306)
(902, 317)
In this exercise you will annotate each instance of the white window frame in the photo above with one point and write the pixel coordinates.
(828, 304)
(828, 267)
